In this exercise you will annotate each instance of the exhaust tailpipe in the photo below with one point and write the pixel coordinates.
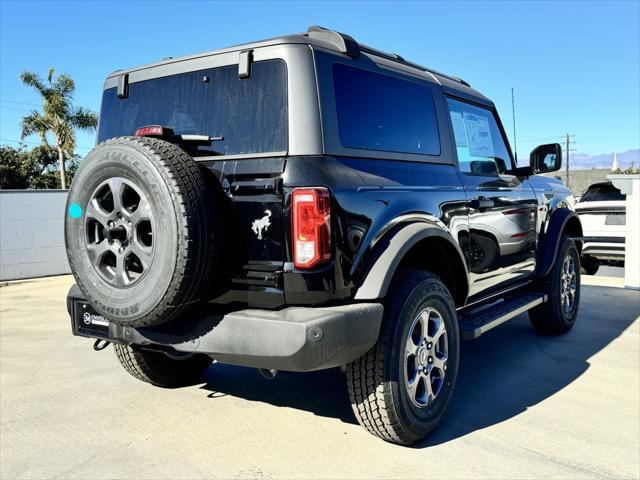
(269, 374)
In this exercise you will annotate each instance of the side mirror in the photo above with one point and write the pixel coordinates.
(546, 158)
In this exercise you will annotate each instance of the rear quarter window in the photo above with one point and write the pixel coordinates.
(250, 114)
(382, 112)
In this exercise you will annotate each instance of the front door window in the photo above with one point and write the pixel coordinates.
(479, 143)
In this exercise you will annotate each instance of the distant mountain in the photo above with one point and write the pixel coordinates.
(583, 161)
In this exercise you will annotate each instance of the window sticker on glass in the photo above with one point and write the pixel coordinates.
(478, 135)
(458, 129)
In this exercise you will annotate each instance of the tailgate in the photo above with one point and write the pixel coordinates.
(254, 224)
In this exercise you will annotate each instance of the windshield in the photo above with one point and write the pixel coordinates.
(602, 193)
(249, 114)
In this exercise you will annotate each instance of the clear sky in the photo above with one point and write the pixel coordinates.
(575, 65)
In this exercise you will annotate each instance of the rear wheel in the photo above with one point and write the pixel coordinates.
(562, 286)
(162, 369)
(401, 389)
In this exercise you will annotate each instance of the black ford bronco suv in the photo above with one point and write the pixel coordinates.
(309, 202)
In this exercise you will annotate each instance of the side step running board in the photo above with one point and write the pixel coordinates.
(482, 319)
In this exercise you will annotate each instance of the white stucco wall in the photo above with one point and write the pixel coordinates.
(32, 233)
(630, 186)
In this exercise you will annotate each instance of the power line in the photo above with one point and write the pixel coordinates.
(513, 112)
(19, 103)
(36, 144)
(542, 139)
(17, 109)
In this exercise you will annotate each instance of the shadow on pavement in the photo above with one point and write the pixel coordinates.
(502, 373)
(324, 393)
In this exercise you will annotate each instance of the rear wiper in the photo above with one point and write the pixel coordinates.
(196, 139)
(166, 133)
(189, 142)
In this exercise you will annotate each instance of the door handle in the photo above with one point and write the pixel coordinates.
(481, 203)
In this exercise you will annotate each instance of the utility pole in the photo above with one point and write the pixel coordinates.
(513, 112)
(567, 150)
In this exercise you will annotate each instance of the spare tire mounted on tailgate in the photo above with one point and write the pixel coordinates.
(141, 230)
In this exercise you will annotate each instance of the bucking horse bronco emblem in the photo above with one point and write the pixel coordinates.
(261, 224)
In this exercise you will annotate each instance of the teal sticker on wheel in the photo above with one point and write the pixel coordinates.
(75, 210)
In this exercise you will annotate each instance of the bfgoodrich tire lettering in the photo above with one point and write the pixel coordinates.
(376, 381)
(185, 230)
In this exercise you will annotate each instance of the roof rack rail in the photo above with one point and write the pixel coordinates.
(398, 58)
(342, 42)
(346, 44)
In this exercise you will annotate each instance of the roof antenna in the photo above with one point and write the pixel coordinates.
(513, 113)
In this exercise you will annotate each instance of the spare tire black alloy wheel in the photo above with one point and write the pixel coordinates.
(142, 230)
(119, 226)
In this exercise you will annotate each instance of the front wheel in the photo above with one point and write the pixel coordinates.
(562, 286)
(401, 389)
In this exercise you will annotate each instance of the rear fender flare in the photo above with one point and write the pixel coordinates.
(393, 249)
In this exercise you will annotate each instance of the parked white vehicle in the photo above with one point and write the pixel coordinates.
(603, 216)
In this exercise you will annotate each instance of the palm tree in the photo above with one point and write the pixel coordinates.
(58, 116)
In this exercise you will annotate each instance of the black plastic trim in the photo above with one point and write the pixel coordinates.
(550, 242)
(295, 338)
(123, 86)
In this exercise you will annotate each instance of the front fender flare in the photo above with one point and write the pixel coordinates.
(562, 220)
(393, 249)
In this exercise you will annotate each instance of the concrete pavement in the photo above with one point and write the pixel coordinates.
(526, 407)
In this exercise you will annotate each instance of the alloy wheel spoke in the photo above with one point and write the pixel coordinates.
(145, 254)
(440, 362)
(96, 250)
(428, 388)
(95, 212)
(143, 212)
(413, 386)
(410, 348)
(424, 323)
(116, 185)
(121, 277)
(440, 330)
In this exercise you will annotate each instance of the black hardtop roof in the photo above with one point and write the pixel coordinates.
(340, 43)
(604, 183)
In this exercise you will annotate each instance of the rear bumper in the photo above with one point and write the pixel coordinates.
(605, 248)
(294, 338)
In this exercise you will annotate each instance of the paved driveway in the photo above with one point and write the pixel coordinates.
(526, 406)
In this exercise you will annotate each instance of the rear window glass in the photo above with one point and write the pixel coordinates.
(250, 114)
(383, 112)
(602, 193)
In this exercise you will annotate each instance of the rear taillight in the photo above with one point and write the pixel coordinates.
(311, 226)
